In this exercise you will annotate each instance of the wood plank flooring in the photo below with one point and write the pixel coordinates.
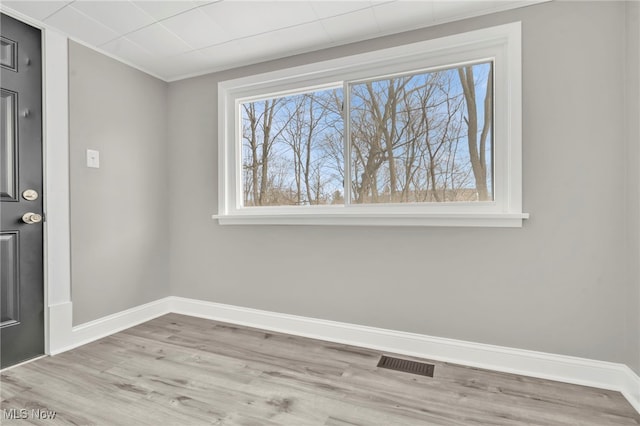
(180, 370)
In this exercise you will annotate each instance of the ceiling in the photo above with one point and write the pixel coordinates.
(176, 39)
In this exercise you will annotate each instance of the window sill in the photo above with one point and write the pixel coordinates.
(488, 220)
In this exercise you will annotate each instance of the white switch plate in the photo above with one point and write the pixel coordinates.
(93, 158)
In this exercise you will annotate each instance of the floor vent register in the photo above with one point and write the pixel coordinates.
(404, 365)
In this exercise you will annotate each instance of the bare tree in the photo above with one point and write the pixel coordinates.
(301, 135)
(404, 133)
(414, 138)
(477, 152)
(292, 131)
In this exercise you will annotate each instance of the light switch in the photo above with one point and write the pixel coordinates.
(93, 158)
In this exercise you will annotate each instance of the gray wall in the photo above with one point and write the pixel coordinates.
(632, 92)
(119, 213)
(559, 284)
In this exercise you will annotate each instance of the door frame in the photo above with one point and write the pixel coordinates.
(58, 322)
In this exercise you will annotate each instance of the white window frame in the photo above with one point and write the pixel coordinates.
(500, 44)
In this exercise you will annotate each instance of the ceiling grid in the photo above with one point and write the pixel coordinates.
(177, 39)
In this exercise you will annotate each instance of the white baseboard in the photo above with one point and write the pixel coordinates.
(562, 368)
(631, 389)
(63, 336)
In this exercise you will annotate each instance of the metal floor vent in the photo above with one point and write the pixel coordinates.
(413, 367)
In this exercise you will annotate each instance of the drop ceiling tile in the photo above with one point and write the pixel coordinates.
(181, 65)
(197, 29)
(80, 26)
(404, 15)
(121, 16)
(159, 41)
(36, 9)
(163, 9)
(351, 26)
(448, 11)
(231, 54)
(127, 50)
(329, 8)
(289, 41)
(246, 18)
(265, 47)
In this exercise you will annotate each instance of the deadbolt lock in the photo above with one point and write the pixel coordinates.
(31, 218)
(30, 195)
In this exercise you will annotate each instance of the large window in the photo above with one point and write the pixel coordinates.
(422, 134)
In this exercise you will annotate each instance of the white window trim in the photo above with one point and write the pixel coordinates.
(501, 44)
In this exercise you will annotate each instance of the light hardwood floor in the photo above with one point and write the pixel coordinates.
(179, 370)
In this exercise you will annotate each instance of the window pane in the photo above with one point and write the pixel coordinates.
(292, 150)
(423, 137)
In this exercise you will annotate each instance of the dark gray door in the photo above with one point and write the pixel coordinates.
(21, 242)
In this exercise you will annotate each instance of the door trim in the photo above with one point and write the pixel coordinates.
(55, 130)
(56, 178)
